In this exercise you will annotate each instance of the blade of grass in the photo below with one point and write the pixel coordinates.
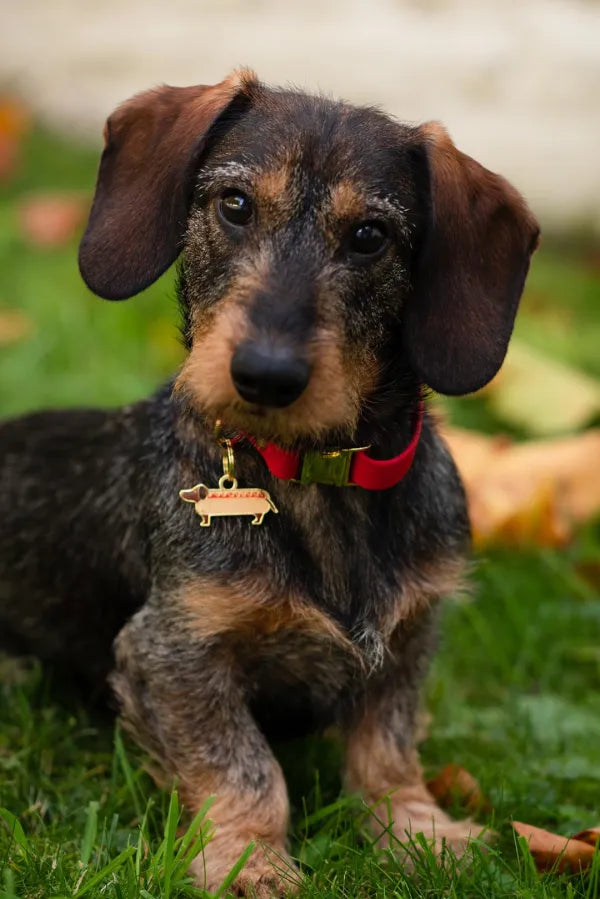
(195, 837)
(236, 869)
(142, 841)
(90, 832)
(108, 869)
(15, 829)
(9, 883)
(128, 773)
(593, 877)
(169, 862)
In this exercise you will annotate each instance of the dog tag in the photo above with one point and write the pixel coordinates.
(212, 502)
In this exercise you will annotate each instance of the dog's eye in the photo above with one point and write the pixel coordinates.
(235, 207)
(368, 238)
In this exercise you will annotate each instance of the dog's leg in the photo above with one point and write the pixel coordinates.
(183, 701)
(382, 762)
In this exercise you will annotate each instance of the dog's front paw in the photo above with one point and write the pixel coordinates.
(439, 830)
(409, 819)
(267, 873)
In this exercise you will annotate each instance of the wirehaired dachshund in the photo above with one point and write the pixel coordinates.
(334, 263)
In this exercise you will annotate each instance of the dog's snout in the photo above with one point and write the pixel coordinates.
(267, 375)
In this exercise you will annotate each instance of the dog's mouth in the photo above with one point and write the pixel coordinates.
(295, 425)
(262, 422)
(256, 412)
(278, 398)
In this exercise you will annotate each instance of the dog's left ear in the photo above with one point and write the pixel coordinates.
(470, 271)
(145, 182)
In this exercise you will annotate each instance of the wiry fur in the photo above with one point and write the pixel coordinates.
(229, 635)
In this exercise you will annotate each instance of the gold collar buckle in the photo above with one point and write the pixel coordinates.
(328, 467)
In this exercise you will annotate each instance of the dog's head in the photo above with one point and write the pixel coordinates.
(328, 251)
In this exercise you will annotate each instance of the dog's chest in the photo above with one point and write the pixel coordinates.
(336, 553)
(315, 593)
(309, 600)
(341, 552)
(296, 676)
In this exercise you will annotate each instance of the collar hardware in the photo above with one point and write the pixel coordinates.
(328, 467)
(344, 467)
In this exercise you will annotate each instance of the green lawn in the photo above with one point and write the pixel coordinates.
(514, 692)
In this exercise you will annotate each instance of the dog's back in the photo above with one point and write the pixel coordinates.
(73, 549)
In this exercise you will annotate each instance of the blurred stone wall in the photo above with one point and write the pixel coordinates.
(516, 82)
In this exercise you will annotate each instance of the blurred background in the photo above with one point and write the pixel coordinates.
(515, 690)
(517, 85)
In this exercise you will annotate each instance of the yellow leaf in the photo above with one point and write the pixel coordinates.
(528, 492)
(541, 395)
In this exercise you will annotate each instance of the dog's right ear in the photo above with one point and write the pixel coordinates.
(471, 269)
(145, 181)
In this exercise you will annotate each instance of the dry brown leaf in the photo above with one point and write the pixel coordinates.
(550, 849)
(528, 492)
(516, 513)
(471, 449)
(14, 117)
(590, 836)
(571, 463)
(541, 395)
(51, 220)
(14, 325)
(455, 785)
(14, 123)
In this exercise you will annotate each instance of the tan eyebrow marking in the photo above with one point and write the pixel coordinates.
(274, 184)
(347, 201)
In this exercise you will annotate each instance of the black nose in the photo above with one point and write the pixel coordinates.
(268, 376)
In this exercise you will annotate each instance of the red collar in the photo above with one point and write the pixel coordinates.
(340, 467)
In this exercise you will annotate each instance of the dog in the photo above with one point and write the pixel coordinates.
(335, 263)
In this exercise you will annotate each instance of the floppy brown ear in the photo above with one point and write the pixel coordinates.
(138, 217)
(470, 271)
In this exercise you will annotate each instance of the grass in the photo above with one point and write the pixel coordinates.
(514, 692)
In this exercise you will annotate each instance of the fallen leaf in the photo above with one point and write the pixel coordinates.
(455, 785)
(14, 117)
(534, 491)
(550, 849)
(541, 395)
(520, 513)
(569, 463)
(51, 220)
(14, 325)
(14, 123)
(590, 836)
